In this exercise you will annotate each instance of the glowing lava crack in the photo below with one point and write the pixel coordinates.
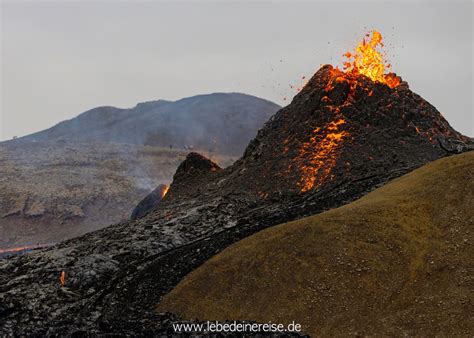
(322, 150)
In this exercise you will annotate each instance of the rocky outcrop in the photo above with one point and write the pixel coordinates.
(192, 175)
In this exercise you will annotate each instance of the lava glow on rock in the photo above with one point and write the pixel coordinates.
(164, 191)
(62, 278)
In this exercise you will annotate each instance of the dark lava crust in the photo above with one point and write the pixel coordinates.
(149, 203)
(339, 139)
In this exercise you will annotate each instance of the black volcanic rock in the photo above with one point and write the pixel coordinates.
(149, 202)
(193, 163)
(194, 172)
(338, 139)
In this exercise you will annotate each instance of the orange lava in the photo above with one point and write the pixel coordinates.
(164, 191)
(62, 278)
(26, 247)
(367, 60)
(322, 151)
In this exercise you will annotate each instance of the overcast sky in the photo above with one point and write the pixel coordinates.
(61, 58)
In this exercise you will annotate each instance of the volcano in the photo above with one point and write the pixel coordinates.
(342, 136)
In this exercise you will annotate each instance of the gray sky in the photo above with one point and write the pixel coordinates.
(61, 58)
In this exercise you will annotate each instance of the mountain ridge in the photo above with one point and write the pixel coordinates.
(195, 122)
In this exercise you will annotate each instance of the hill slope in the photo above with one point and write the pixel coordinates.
(219, 123)
(398, 261)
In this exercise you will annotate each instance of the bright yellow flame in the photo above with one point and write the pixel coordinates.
(368, 60)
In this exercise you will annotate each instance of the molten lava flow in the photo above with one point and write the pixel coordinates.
(24, 248)
(322, 151)
(62, 278)
(368, 61)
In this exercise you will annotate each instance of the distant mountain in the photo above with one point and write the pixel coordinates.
(218, 123)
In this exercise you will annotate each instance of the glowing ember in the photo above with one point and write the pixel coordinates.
(164, 191)
(62, 278)
(368, 61)
(322, 151)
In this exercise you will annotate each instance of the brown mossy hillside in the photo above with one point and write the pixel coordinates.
(398, 261)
